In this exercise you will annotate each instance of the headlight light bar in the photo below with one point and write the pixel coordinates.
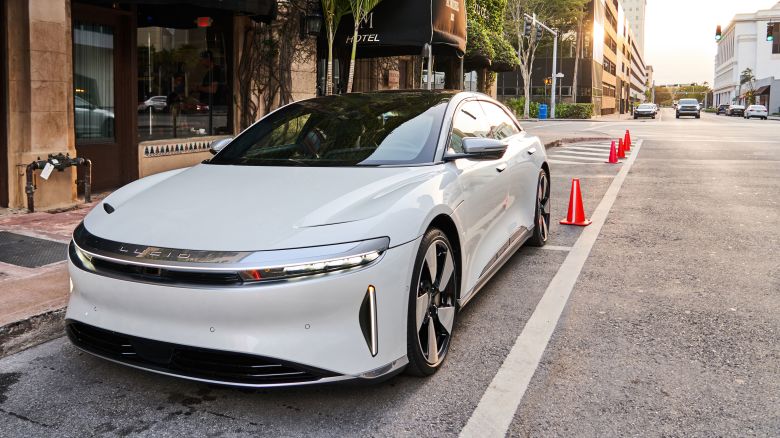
(246, 266)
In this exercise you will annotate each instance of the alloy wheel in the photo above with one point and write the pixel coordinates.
(543, 206)
(435, 304)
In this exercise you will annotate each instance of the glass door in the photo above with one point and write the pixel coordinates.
(102, 92)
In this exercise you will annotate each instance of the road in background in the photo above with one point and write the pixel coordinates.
(671, 327)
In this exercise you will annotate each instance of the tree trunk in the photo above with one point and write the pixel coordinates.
(329, 75)
(526, 91)
(351, 76)
(578, 48)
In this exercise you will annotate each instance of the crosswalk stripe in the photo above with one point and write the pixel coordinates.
(583, 153)
(553, 161)
(589, 148)
(578, 158)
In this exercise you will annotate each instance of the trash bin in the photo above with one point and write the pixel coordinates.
(542, 111)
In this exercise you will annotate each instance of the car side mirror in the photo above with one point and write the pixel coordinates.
(479, 148)
(218, 145)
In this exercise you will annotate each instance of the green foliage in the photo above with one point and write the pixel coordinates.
(517, 106)
(582, 111)
(478, 42)
(504, 53)
(574, 111)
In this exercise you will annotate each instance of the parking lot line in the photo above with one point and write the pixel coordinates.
(498, 404)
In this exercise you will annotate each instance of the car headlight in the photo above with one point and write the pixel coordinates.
(361, 254)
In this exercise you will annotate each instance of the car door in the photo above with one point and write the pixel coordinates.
(522, 173)
(484, 185)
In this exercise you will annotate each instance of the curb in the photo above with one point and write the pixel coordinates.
(27, 333)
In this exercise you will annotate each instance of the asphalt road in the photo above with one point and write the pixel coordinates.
(672, 327)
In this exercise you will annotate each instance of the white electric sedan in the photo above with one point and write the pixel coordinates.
(334, 239)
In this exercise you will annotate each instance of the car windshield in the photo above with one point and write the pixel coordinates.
(372, 129)
(689, 102)
(645, 106)
(758, 107)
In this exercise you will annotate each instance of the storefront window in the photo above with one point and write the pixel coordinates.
(183, 85)
(93, 78)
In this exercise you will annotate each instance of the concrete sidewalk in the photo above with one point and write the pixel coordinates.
(32, 300)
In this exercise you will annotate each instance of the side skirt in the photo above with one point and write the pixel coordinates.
(504, 254)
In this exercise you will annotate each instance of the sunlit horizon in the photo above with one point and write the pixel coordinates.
(680, 36)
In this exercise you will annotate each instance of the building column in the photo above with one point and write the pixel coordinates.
(40, 98)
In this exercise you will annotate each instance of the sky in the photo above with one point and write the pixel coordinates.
(680, 36)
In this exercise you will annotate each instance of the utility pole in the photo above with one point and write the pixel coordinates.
(554, 56)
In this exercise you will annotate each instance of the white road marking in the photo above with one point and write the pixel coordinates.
(588, 148)
(576, 157)
(496, 409)
(556, 248)
(568, 162)
(583, 153)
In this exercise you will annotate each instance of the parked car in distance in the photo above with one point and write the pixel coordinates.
(688, 107)
(759, 111)
(645, 110)
(156, 103)
(722, 109)
(735, 110)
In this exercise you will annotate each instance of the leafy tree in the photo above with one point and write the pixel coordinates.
(333, 10)
(360, 10)
(560, 14)
(747, 77)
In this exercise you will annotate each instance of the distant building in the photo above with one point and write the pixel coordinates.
(650, 81)
(611, 71)
(635, 13)
(744, 45)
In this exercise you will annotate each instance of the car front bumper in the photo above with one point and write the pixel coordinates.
(644, 114)
(311, 325)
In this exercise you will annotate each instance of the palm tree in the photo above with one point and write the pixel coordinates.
(333, 10)
(360, 10)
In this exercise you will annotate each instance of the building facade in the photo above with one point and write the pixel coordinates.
(610, 70)
(635, 13)
(744, 46)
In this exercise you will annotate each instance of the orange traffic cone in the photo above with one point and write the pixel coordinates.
(576, 214)
(627, 141)
(613, 159)
(621, 152)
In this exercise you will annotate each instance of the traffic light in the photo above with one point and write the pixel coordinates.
(527, 28)
(547, 81)
(770, 32)
(539, 31)
(718, 34)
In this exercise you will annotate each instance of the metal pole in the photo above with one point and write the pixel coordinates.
(430, 67)
(554, 72)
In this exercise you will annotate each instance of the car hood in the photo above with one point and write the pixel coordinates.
(247, 208)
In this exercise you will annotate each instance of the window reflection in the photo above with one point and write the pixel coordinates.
(182, 83)
(93, 80)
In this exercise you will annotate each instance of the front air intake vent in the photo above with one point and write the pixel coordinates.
(368, 321)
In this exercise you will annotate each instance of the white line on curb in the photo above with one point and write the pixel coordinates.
(496, 409)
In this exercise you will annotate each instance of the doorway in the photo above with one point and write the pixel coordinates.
(103, 94)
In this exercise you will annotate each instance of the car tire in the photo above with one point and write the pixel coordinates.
(635, 117)
(432, 307)
(653, 117)
(541, 211)
(698, 116)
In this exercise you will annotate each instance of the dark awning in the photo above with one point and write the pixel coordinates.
(403, 27)
(762, 90)
(261, 10)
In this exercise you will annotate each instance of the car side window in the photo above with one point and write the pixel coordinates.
(469, 121)
(501, 125)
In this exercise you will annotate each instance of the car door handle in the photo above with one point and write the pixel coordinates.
(531, 151)
(501, 167)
